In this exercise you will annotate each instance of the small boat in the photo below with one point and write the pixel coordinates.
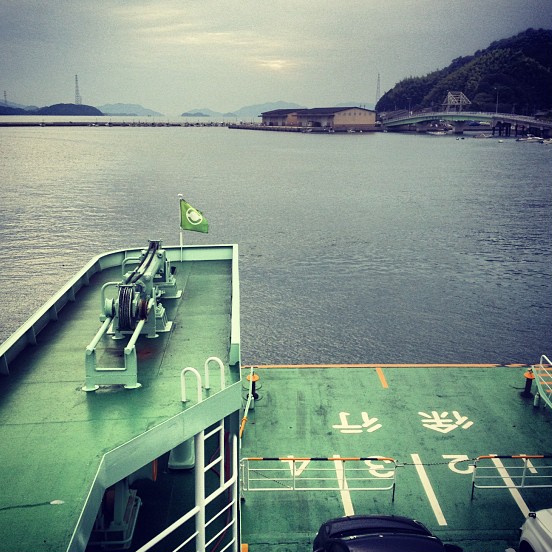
(529, 138)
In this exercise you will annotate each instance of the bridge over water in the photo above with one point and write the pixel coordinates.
(502, 123)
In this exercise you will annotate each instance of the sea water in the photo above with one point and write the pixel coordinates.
(354, 248)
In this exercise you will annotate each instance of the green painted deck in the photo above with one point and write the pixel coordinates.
(59, 443)
(300, 413)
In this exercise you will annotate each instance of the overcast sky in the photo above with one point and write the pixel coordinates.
(177, 55)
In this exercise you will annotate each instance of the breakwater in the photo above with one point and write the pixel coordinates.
(57, 123)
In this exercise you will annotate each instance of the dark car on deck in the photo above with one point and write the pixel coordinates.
(378, 533)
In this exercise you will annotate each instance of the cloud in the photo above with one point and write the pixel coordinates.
(176, 54)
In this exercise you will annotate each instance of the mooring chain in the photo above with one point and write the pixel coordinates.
(398, 464)
(271, 479)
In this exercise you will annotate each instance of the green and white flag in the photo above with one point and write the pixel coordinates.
(192, 219)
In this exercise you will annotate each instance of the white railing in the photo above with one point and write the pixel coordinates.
(209, 528)
(372, 473)
(204, 534)
(190, 370)
(198, 379)
(221, 367)
(520, 471)
(481, 115)
(543, 378)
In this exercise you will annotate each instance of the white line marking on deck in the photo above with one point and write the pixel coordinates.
(511, 486)
(429, 490)
(296, 471)
(343, 488)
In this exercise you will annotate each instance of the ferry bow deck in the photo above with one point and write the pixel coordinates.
(61, 447)
(362, 439)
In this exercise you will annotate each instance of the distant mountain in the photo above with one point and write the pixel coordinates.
(57, 109)
(203, 112)
(68, 109)
(244, 112)
(256, 110)
(511, 75)
(14, 105)
(8, 110)
(128, 110)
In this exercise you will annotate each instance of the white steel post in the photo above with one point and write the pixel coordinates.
(235, 493)
(200, 490)
(222, 447)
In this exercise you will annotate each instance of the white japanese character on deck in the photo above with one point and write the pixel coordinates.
(345, 427)
(443, 423)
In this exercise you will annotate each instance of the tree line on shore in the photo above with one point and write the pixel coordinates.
(513, 75)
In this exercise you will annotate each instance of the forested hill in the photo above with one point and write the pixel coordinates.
(518, 70)
(57, 109)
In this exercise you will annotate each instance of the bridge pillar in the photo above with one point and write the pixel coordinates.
(504, 128)
(458, 127)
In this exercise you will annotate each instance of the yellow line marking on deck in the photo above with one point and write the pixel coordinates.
(428, 490)
(381, 377)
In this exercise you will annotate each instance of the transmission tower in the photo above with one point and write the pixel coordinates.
(78, 99)
(378, 89)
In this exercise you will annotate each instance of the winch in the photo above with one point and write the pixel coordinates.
(132, 307)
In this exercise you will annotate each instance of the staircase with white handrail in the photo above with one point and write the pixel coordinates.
(215, 514)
